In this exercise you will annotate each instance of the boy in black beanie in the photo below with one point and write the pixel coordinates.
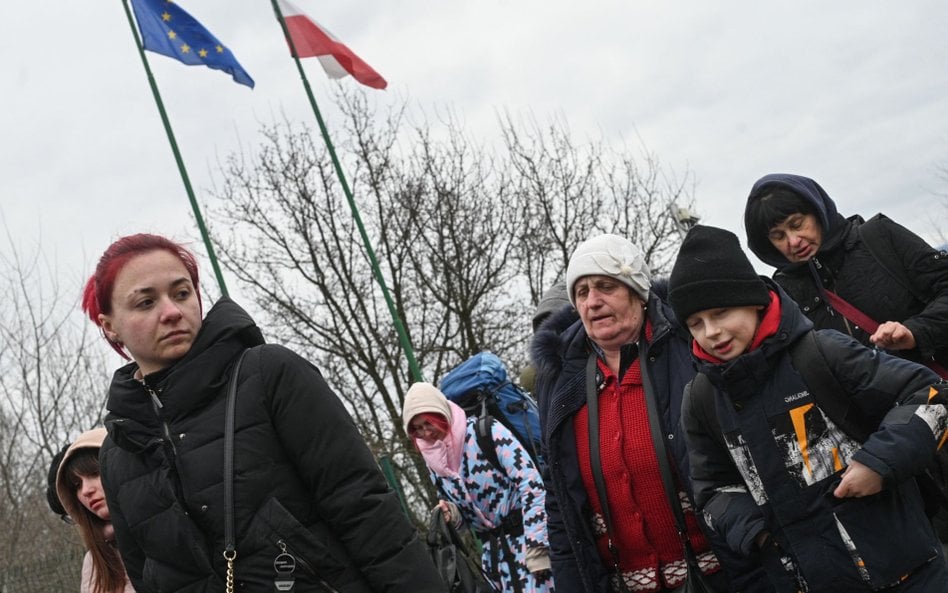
(775, 468)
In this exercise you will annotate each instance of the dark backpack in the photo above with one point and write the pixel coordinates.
(481, 387)
(881, 250)
(460, 572)
(831, 398)
(870, 233)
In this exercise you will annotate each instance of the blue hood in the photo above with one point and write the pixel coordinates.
(806, 188)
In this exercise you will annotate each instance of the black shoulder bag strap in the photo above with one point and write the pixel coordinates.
(701, 393)
(661, 452)
(485, 439)
(595, 462)
(230, 540)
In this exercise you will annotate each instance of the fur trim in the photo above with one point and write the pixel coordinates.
(548, 347)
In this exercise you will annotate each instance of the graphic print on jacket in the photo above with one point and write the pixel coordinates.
(812, 447)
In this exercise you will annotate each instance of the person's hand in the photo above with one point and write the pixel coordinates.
(892, 335)
(452, 516)
(858, 480)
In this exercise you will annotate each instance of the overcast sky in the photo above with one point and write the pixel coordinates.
(853, 94)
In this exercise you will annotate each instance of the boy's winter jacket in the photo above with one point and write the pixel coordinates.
(777, 459)
(305, 483)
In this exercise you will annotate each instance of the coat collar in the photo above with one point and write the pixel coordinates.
(226, 330)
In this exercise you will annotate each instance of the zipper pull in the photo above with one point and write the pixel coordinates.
(283, 565)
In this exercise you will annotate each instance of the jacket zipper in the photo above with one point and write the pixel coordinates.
(158, 406)
(170, 446)
(829, 307)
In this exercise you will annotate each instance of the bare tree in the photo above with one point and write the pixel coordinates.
(52, 387)
(467, 239)
(569, 192)
(938, 221)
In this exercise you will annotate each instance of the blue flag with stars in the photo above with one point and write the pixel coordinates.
(168, 30)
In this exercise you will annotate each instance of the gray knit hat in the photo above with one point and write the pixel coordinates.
(554, 299)
(613, 256)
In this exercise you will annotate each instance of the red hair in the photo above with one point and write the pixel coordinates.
(437, 420)
(97, 295)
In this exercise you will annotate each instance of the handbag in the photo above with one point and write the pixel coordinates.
(695, 581)
(458, 570)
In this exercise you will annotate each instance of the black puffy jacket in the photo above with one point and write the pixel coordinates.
(846, 266)
(304, 481)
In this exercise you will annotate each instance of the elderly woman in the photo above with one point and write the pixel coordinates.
(877, 267)
(619, 535)
(310, 510)
(503, 505)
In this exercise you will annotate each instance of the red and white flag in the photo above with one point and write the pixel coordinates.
(312, 39)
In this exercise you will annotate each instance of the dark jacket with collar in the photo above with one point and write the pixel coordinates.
(304, 481)
(560, 351)
(777, 458)
(846, 266)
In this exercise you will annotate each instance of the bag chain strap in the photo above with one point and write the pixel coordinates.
(230, 557)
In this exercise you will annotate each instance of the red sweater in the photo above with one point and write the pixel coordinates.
(645, 533)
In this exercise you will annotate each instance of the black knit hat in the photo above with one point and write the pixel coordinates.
(52, 498)
(712, 271)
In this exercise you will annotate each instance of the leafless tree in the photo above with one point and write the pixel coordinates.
(938, 221)
(52, 386)
(467, 239)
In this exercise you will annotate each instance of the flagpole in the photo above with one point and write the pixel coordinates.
(399, 326)
(177, 153)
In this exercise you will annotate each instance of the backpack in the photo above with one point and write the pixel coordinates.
(880, 249)
(460, 572)
(870, 233)
(480, 386)
(808, 360)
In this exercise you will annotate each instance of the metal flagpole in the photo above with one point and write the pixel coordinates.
(177, 153)
(399, 326)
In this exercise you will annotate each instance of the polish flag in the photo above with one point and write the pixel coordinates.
(312, 39)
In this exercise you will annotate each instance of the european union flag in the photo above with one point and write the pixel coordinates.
(167, 29)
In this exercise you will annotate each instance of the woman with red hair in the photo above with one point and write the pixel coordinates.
(310, 510)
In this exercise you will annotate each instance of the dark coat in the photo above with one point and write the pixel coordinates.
(777, 458)
(846, 266)
(304, 480)
(560, 350)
